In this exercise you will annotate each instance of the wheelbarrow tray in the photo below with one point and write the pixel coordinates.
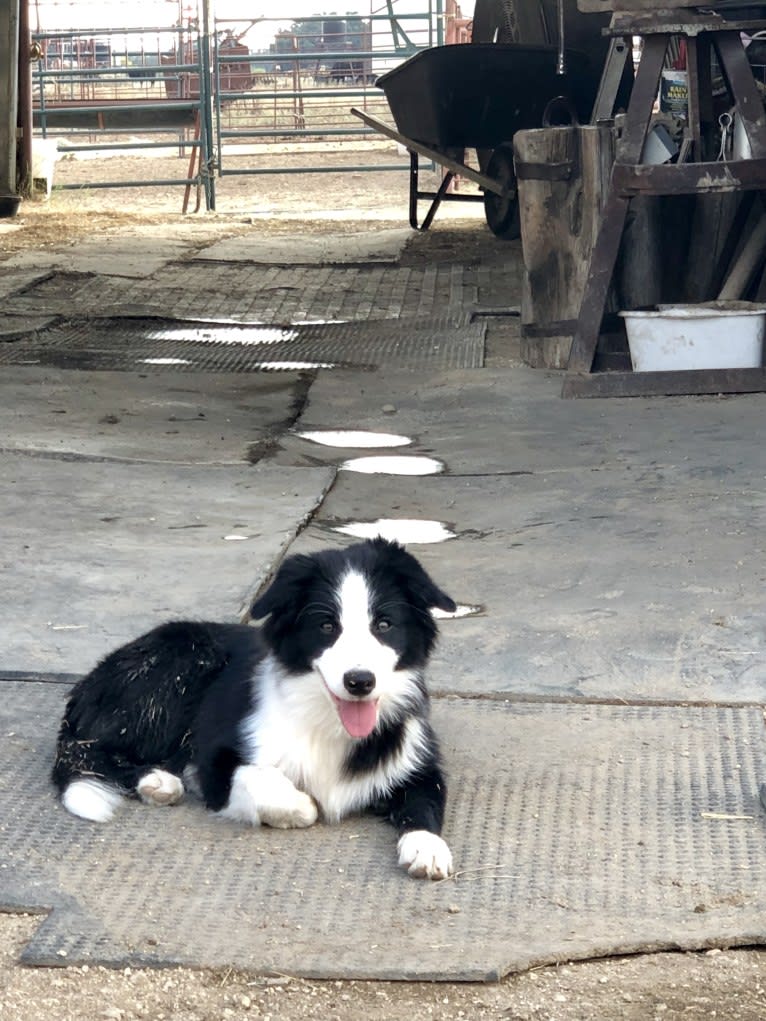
(478, 95)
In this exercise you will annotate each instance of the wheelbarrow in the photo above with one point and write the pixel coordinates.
(448, 99)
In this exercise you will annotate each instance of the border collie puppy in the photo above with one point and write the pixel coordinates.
(323, 709)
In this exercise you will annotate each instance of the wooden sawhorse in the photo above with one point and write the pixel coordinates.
(695, 173)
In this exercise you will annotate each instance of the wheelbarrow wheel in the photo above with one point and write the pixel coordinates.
(502, 211)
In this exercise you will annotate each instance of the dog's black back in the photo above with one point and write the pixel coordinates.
(141, 705)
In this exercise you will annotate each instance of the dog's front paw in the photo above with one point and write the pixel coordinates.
(263, 795)
(425, 855)
(160, 788)
(297, 812)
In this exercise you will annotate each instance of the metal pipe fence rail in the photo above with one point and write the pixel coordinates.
(305, 86)
(92, 84)
(196, 88)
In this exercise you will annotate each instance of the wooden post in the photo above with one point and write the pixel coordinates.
(24, 115)
(9, 62)
(562, 178)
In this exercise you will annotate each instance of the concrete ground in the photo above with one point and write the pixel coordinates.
(610, 554)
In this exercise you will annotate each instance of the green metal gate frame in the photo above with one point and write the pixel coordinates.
(162, 116)
(403, 47)
(200, 61)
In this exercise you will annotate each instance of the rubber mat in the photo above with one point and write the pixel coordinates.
(139, 345)
(269, 294)
(577, 831)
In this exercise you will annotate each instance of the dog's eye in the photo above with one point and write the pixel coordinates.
(383, 624)
(328, 626)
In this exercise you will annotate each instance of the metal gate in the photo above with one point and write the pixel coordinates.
(221, 92)
(105, 90)
(300, 85)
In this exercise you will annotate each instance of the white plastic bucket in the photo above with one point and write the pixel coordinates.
(695, 337)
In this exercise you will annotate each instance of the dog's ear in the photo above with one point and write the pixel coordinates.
(284, 591)
(443, 602)
(434, 597)
(415, 577)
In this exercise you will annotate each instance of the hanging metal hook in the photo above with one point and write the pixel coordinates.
(561, 62)
(726, 124)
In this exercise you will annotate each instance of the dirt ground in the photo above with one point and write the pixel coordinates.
(375, 192)
(269, 205)
(728, 985)
(718, 983)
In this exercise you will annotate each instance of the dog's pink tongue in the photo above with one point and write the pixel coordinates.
(359, 718)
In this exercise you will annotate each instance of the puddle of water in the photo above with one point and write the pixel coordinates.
(321, 322)
(462, 610)
(354, 438)
(259, 365)
(230, 335)
(394, 465)
(406, 530)
(165, 361)
(292, 366)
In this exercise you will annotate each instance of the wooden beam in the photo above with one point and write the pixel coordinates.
(689, 179)
(9, 91)
(664, 384)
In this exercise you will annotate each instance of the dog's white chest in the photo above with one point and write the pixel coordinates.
(313, 765)
(296, 729)
(298, 732)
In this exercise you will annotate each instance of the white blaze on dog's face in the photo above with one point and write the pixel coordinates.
(359, 619)
(359, 669)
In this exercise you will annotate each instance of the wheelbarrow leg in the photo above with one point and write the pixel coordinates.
(415, 194)
(413, 190)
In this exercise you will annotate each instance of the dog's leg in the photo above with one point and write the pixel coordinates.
(92, 799)
(264, 795)
(417, 810)
(425, 855)
(158, 787)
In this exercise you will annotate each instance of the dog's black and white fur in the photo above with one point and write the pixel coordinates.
(322, 710)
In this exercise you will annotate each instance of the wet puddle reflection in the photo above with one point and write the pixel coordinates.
(463, 610)
(354, 438)
(227, 334)
(404, 530)
(394, 464)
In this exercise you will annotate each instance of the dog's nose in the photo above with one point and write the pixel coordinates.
(358, 682)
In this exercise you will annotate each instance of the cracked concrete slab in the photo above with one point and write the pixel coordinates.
(117, 256)
(603, 584)
(616, 546)
(96, 553)
(502, 422)
(194, 418)
(577, 831)
(372, 246)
